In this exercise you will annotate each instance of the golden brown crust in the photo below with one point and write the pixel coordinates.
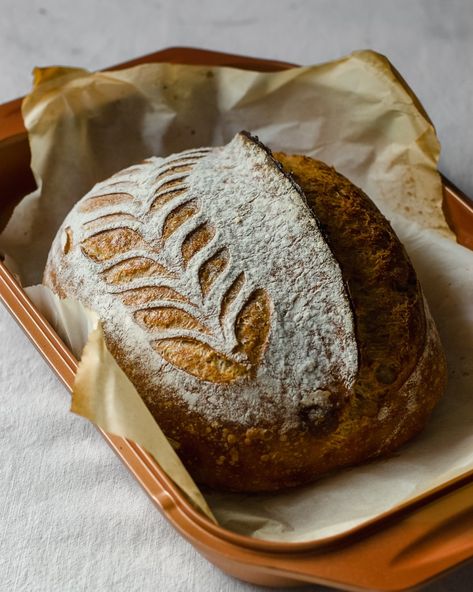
(401, 371)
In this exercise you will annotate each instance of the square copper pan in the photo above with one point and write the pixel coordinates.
(398, 551)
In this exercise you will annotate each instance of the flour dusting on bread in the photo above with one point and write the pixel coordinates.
(262, 306)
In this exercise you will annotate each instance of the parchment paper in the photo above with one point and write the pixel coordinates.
(353, 113)
(118, 408)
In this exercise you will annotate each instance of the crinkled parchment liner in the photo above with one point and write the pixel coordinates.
(354, 113)
(102, 391)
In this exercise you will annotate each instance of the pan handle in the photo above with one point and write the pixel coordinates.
(458, 211)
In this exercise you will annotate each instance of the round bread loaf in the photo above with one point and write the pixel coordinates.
(262, 306)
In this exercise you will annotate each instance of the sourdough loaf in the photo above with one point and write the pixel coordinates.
(262, 306)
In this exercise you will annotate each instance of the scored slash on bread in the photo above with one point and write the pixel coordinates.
(237, 299)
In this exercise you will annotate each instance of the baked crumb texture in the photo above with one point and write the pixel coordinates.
(262, 306)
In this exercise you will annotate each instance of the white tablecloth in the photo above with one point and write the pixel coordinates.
(71, 517)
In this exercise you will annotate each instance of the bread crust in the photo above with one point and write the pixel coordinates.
(400, 371)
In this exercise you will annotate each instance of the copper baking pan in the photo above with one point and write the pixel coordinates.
(398, 551)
